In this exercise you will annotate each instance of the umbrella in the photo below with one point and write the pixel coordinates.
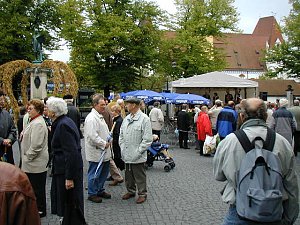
(190, 99)
(169, 97)
(97, 172)
(146, 95)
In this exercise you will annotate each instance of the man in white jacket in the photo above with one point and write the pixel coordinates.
(135, 138)
(96, 135)
(157, 119)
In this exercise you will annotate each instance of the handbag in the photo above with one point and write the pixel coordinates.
(73, 214)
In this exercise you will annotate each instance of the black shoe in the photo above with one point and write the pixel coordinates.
(186, 148)
(110, 179)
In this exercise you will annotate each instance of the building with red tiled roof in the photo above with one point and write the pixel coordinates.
(245, 52)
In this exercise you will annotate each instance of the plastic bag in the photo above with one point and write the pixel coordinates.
(210, 144)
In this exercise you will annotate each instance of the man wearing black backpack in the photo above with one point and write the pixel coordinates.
(229, 164)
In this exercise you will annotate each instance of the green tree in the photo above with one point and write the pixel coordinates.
(113, 42)
(18, 21)
(191, 51)
(286, 56)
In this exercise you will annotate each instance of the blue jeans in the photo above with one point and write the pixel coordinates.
(96, 183)
(232, 217)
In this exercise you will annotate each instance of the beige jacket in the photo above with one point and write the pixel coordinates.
(157, 118)
(34, 146)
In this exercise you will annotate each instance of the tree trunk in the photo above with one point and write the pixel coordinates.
(106, 91)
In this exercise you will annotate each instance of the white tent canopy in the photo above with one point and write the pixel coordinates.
(214, 80)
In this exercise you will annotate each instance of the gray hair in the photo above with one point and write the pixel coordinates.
(296, 102)
(283, 102)
(254, 108)
(96, 98)
(57, 105)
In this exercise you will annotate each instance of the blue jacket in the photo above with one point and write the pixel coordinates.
(226, 122)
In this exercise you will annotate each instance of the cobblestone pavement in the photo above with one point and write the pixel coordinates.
(186, 195)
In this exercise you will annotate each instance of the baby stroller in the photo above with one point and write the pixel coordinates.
(159, 152)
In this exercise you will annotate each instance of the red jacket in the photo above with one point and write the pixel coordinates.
(203, 126)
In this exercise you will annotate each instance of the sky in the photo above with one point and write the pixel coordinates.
(250, 11)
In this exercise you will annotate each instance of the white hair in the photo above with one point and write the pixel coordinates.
(283, 102)
(57, 105)
(120, 101)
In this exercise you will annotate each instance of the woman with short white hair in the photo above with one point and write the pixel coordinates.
(67, 161)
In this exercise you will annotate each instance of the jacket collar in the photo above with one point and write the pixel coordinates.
(95, 112)
(254, 122)
(136, 116)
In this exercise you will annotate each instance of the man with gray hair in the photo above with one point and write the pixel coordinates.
(283, 122)
(296, 112)
(213, 115)
(230, 153)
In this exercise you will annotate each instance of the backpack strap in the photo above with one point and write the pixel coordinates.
(270, 140)
(244, 140)
(268, 144)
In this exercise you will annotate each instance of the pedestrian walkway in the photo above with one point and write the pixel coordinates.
(186, 195)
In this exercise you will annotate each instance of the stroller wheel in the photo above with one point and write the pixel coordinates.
(167, 168)
(172, 164)
(150, 164)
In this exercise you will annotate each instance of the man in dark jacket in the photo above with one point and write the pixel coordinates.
(8, 133)
(183, 126)
(283, 121)
(73, 112)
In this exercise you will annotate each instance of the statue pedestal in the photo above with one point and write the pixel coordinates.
(289, 97)
(38, 84)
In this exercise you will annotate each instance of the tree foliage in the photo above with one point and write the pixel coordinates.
(112, 42)
(191, 51)
(287, 54)
(18, 21)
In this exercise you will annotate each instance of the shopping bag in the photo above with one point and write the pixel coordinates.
(209, 146)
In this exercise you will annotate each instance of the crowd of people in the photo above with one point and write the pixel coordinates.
(50, 139)
(116, 137)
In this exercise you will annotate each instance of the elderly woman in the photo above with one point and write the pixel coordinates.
(35, 155)
(67, 161)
